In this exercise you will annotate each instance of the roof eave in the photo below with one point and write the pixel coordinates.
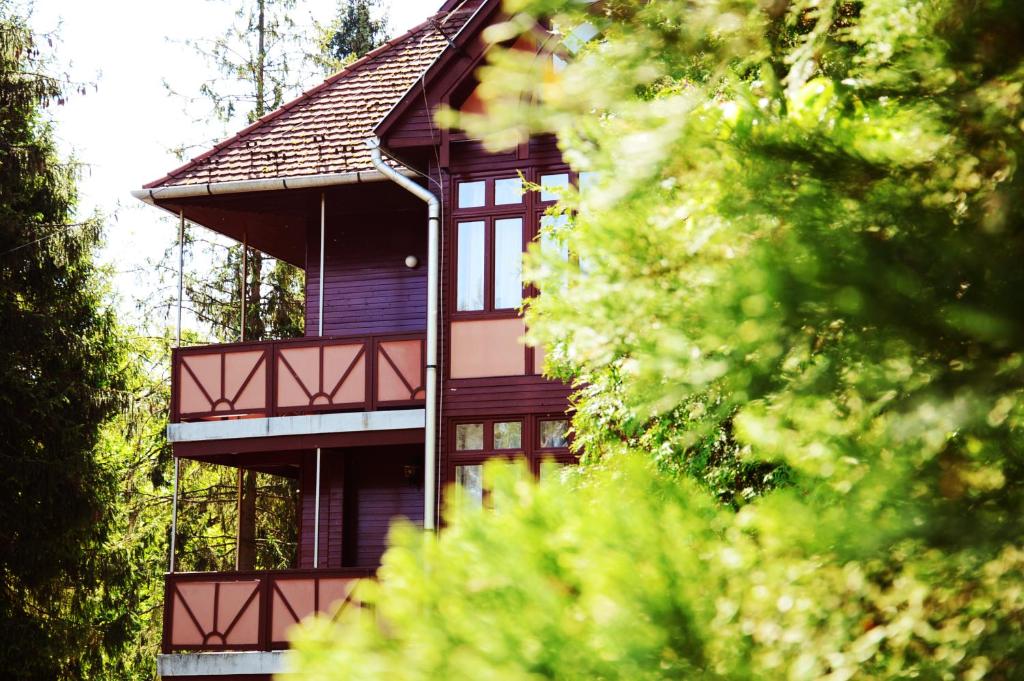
(181, 191)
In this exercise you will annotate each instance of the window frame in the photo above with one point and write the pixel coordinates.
(489, 214)
(529, 452)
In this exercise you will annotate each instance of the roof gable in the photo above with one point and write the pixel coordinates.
(324, 130)
(449, 68)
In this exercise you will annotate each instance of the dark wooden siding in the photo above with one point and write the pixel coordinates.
(332, 498)
(363, 489)
(416, 127)
(379, 492)
(367, 287)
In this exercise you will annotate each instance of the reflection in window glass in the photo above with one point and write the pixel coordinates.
(508, 191)
(469, 486)
(552, 186)
(470, 276)
(508, 263)
(469, 437)
(550, 470)
(548, 242)
(508, 435)
(472, 194)
(554, 434)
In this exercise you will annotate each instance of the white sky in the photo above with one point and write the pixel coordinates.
(125, 129)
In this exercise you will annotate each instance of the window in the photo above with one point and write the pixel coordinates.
(469, 437)
(469, 486)
(472, 194)
(552, 186)
(587, 181)
(554, 434)
(552, 225)
(508, 435)
(534, 445)
(495, 218)
(490, 224)
(508, 191)
(470, 290)
(508, 263)
(550, 469)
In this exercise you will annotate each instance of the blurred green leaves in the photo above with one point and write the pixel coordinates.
(804, 248)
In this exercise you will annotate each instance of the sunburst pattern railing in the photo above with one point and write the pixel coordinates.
(300, 376)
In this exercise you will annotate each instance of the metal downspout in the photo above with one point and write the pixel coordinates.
(320, 332)
(433, 287)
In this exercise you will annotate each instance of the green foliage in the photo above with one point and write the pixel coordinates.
(352, 33)
(627, 574)
(61, 378)
(807, 228)
(257, 61)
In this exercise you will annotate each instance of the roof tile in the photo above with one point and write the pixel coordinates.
(324, 130)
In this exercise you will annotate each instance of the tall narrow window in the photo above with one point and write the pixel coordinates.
(470, 276)
(508, 263)
(469, 486)
(550, 226)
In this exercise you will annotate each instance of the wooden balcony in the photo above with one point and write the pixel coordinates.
(299, 376)
(236, 611)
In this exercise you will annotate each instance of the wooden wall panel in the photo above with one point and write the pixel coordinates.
(380, 492)
(367, 287)
(332, 490)
(363, 489)
(416, 127)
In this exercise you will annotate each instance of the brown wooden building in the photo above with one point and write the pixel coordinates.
(412, 372)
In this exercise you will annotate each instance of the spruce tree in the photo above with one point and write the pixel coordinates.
(59, 382)
(353, 32)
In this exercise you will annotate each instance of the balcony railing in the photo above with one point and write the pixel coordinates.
(299, 376)
(225, 611)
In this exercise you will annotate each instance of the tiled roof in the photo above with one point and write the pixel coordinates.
(325, 129)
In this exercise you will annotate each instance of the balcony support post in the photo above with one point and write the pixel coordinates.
(245, 278)
(320, 298)
(316, 514)
(181, 275)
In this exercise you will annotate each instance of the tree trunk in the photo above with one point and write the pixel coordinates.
(245, 556)
(261, 60)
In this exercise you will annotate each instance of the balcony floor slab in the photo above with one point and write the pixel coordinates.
(185, 665)
(291, 426)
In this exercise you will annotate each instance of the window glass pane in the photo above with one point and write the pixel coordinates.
(470, 276)
(508, 263)
(469, 486)
(508, 190)
(550, 469)
(551, 186)
(548, 242)
(472, 194)
(469, 437)
(588, 180)
(519, 472)
(553, 434)
(508, 435)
